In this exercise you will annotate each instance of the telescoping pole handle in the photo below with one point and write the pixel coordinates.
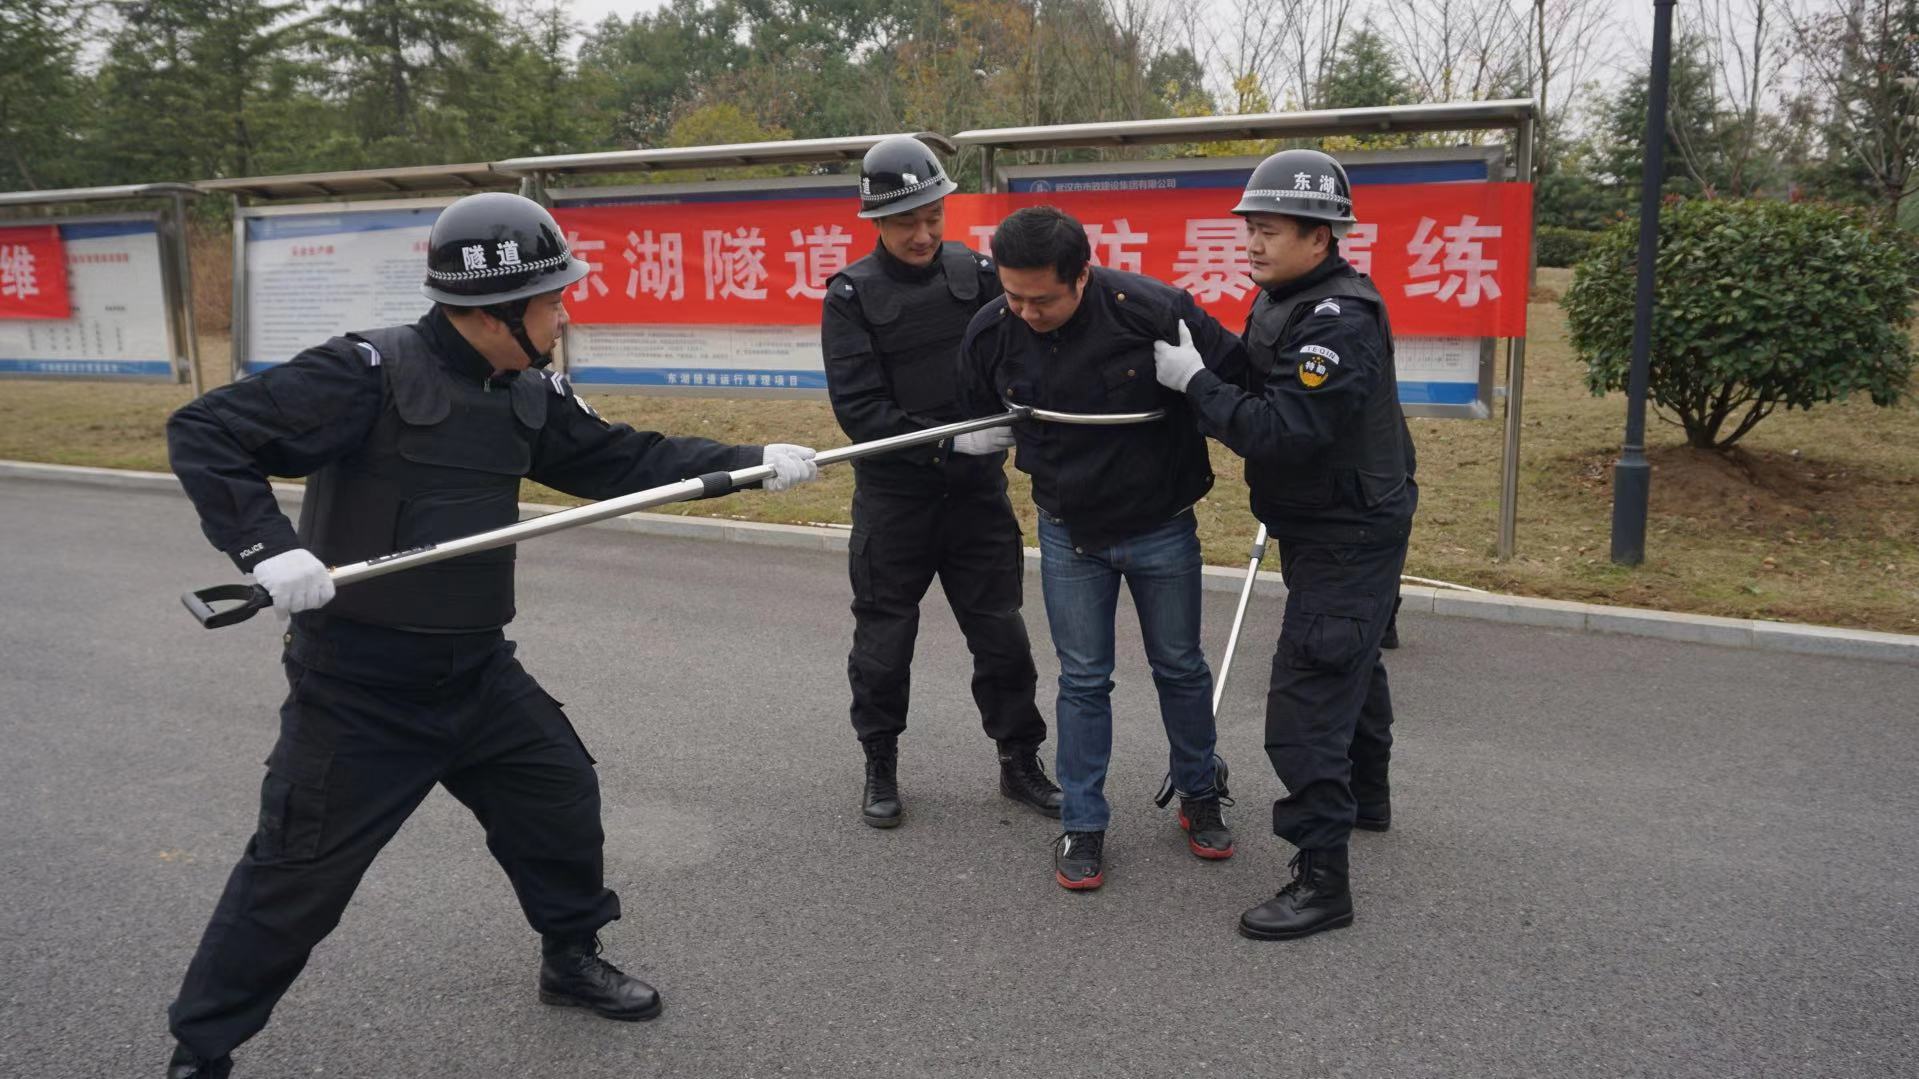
(254, 599)
(711, 485)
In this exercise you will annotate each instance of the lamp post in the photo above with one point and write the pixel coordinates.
(1632, 475)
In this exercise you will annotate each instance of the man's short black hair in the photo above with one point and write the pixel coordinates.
(1305, 226)
(1041, 236)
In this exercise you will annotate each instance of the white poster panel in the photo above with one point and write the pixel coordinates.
(119, 327)
(1443, 376)
(313, 273)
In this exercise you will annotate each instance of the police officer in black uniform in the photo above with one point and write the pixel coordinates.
(413, 435)
(1329, 461)
(890, 330)
(1115, 505)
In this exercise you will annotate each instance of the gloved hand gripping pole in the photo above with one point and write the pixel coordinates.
(254, 598)
(251, 598)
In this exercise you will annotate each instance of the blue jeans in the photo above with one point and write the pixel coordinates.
(1081, 586)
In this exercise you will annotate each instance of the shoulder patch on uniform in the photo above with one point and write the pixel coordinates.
(1326, 307)
(985, 263)
(846, 287)
(372, 354)
(1317, 365)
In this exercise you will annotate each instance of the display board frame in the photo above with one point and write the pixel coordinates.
(180, 356)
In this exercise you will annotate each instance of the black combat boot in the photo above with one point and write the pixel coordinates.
(1316, 899)
(572, 975)
(1023, 779)
(185, 1065)
(1377, 817)
(1078, 864)
(880, 799)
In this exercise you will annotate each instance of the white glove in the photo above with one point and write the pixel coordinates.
(295, 579)
(1175, 365)
(791, 465)
(981, 443)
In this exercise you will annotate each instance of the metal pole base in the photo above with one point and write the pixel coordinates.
(1631, 491)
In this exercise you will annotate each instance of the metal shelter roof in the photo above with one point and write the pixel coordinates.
(96, 194)
(419, 179)
(734, 155)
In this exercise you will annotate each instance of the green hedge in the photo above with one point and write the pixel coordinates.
(1562, 247)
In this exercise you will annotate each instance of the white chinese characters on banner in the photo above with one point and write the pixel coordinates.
(735, 264)
(657, 267)
(1469, 274)
(581, 249)
(815, 258)
(17, 276)
(1213, 261)
(1117, 246)
(1357, 247)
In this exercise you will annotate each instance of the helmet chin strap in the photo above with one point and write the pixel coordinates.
(514, 315)
(534, 357)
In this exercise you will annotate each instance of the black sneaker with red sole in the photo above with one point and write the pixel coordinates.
(1205, 826)
(1078, 864)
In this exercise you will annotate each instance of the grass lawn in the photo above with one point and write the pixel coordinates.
(1813, 518)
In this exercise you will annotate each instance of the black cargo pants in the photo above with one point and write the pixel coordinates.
(353, 760)
(970, 540)
(1329, 714)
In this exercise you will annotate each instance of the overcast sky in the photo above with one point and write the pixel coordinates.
(1636, 15)
(589, 12)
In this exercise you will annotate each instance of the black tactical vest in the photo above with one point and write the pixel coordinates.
(444, 460)
(1358, 477)
(917, 326)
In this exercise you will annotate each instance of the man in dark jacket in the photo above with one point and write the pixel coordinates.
(889, 330)
(1329, 461)
(1115, 504)
(413, 435)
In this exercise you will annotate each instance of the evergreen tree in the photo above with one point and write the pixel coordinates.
(190, 89)
(395, 62)
(44, 103)
(1366, 74)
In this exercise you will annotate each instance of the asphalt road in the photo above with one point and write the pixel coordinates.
(1610, 856)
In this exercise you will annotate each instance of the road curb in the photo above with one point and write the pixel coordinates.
(1750, 633)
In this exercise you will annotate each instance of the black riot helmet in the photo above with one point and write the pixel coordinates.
(496, 247)
(495, 251)
(1299, 183)
(900, 174)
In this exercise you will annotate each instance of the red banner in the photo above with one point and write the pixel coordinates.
(1451, 259)
(33, 273)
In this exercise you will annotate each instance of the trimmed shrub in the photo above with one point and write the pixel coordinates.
(1757, 305)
